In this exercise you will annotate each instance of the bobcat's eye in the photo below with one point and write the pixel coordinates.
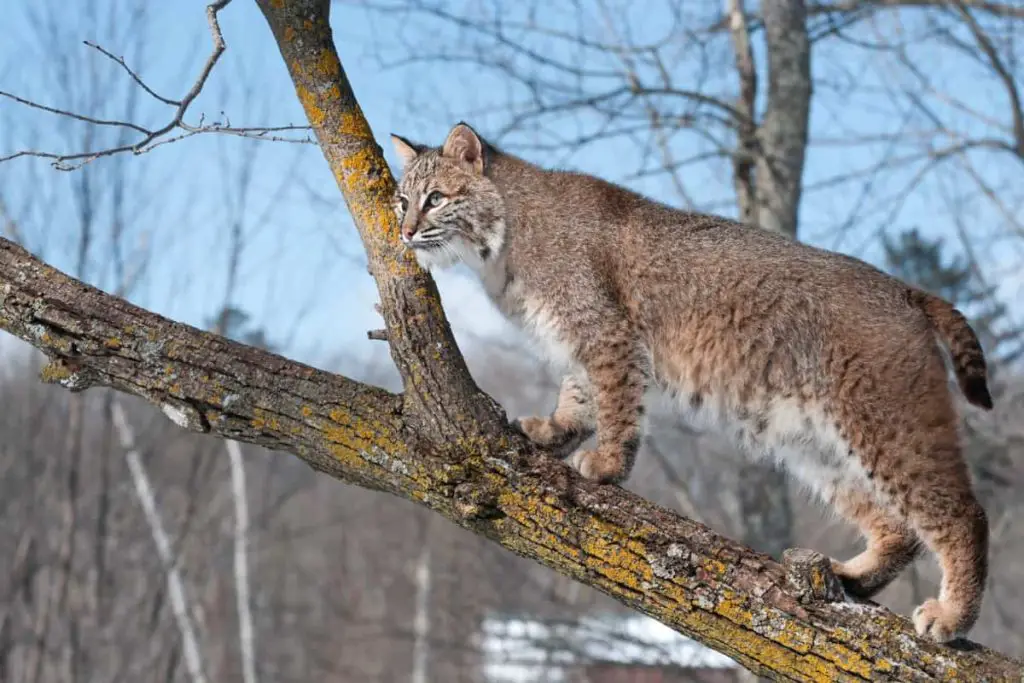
(434, 199)
(404, 203)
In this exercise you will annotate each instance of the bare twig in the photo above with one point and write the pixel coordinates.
(1000, 9)
(80, 117)
(153, 138)
(218, 49)
(135, 76)
(1005, 76)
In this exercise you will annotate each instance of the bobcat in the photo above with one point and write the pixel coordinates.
(808, 357)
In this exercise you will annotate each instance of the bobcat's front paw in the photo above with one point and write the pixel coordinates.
(547, 434)
(600, 466)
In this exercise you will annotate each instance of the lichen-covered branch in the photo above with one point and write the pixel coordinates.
(743, 604)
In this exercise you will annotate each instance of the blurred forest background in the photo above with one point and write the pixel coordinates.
(131, 551)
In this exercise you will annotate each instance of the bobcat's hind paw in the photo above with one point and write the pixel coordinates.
(936, 620)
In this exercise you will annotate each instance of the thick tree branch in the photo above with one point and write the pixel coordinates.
(703, 585)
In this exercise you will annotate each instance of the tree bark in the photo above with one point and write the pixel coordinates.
(446, 445)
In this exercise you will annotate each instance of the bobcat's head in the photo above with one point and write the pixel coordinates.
(448, 209)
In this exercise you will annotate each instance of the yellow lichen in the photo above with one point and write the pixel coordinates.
(289, 34)
(350, 436)
(354, 123)
(112, 343)
(314, 113)
(55, 372)
(327, 64)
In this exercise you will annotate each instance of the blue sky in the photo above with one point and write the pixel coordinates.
(301, 272)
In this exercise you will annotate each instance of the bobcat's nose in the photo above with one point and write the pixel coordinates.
(407, 232)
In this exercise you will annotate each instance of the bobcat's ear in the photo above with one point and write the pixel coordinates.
(407, 151)
(465, 146)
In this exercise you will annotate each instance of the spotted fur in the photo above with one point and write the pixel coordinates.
(809, 358)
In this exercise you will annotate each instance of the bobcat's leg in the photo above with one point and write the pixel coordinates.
(613, 363)
(572, 422)
(951, 522)
(891, 544)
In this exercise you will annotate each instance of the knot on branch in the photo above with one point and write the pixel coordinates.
(809, 575)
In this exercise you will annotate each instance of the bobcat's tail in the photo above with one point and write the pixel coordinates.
(968, 358)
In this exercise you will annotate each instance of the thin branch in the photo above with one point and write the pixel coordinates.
(135, 76)
(1000, 9)
(1007, 78)
(79, 117)
(218, 49)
